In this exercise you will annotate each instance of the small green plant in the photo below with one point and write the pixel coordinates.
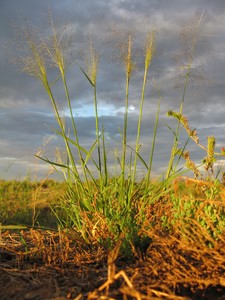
(102, 208)
(93, 202)
(189, 42)
(210, 158)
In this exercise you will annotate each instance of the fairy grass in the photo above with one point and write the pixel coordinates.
(211, 155)
(149, 52)
(91, 76)
(128, 63)
(113, 200)
(190, 37)
(102, 208)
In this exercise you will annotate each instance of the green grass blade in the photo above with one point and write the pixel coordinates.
(86, 75)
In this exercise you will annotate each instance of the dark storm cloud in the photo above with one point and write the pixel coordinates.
(25, 111)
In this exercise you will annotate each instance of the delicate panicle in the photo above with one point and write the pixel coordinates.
(34, 63)
(56, 48)
(188, 64)
(190, 164)
(184, 121)
(150, 48)
(92, 63)
(210, 158)
(123, 42)
(211, 147)
(128, 59)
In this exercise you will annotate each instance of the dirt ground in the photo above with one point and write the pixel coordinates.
(36, 265)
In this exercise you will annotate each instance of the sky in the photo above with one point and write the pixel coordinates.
(27, 121)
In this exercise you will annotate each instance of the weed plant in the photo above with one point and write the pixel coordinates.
(203, 205)
(106, 208)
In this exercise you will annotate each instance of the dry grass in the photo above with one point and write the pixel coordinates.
(39, 264)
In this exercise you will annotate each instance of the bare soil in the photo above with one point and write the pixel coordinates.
(48, 265)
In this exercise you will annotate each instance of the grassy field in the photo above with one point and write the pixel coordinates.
(99, 235)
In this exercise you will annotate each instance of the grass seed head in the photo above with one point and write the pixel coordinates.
(190, 164)
(188, 63)
(92, 62)
(57, 45)
(184, 121)
(128, 59)
(150, 48)
(211, 147)
(210, 159)
(34, 61)
(123, 44)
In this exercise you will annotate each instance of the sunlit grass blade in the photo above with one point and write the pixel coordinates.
(86, 75)
(139, 156)
(153, 145)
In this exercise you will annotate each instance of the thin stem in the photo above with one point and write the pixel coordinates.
(137, 146)
(104, 157)
(97, 130)
(177, 133)
(153, 146)
(58, 118)
(149, 52)
(74, 126)
(123, 162)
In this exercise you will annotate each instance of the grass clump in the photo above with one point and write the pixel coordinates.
(103, 206)
(106, 208)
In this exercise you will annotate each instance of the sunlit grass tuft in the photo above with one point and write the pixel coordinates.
(103, 208)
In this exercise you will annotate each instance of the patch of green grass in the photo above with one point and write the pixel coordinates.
(29, 203)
